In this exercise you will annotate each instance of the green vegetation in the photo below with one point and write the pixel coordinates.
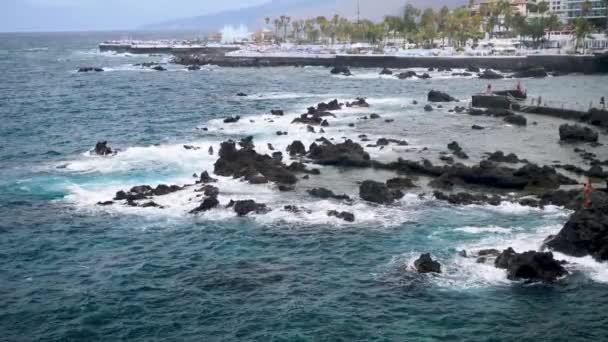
(431, 28)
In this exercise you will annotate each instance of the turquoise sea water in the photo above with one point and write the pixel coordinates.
(72, 270)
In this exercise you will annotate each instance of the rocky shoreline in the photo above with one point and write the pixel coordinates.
(526, 183)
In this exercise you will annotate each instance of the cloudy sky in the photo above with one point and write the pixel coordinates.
(88, 15)
(72, 15)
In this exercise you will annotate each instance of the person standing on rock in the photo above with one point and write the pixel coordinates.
(489, 89)
(587, 192)
(603, 102)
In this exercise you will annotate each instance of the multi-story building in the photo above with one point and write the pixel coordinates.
(596, 13)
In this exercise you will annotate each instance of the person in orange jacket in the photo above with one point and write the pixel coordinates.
(587, 191)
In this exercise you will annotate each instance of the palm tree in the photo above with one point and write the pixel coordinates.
(323, 24)
(277, 27)
(410, 14)
(428, 28)
(295, 28)
(442, 22)
(582, 28)
(394, 25)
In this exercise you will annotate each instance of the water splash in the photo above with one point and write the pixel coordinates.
(232, 34)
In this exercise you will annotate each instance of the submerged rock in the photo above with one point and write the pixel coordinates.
(326, 193)
(425, 264)
(406, 74)
(386, 71)
(400, 183)
(463, 198)
(232, 119)
(532, 72)
(359, 102)
(207, 204)
(516, 119)
(346, 216)
(341, 70)
(490, 75)
(500, 157)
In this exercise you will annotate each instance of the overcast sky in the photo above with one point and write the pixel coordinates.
(89, 15)
(82, 15)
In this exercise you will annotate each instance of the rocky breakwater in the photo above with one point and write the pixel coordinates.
(585, 233)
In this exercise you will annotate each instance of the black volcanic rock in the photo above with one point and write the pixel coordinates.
(425, 264)
(324, 193)
(386, 71)
(437, 96)
(102, 148)
(346, 216)
(347, 153)
(296, 148)
(577, 133)
(248, 163)
(531, 73)
(242, 208)
(530, 266)
(377, 192)
(490, 75)
(585, 233)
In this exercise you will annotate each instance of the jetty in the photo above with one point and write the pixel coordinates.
(165, 47)
(594, 116)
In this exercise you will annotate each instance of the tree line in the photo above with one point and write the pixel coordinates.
(429, 27)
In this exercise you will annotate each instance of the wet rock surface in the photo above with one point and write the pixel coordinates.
(577, 133)
(425, 264)
(530, 266)
(379, 193)
(247, 163)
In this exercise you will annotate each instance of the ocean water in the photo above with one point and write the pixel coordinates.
(72, 270)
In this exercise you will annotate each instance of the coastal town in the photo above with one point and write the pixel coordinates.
(486, 28)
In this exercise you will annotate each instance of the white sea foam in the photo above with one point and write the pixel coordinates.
(481, 230)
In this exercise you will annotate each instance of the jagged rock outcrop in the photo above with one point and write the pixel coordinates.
(344, 215)
(242, 208)
(296, 148)
(347, 153)
(102, 149)
(425, 264)
(377, 192)
(585, 233)
(464, 198)
(530, 266)
(247, 163)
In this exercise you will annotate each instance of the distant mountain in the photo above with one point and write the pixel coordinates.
(248, 16)
(254, 16)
